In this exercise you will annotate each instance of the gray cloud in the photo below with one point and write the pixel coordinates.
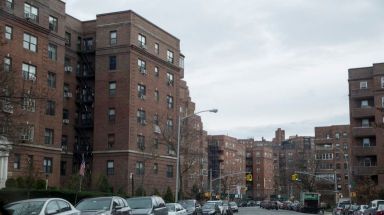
(265, 63)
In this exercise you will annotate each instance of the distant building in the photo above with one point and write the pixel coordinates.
(366, 105)
(332, 159)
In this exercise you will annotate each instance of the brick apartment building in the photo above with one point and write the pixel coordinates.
(110, 87)
(366, 103)
(296, 154)
(332, 159)
(260, 163)
(226, 161)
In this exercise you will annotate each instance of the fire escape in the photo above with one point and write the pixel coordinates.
(85, 75)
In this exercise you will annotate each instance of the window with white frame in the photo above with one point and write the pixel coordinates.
(27, 133)
(110, 167)
(48, 136)
(170, 56)
(47, 165)
(139, 168)
(363, 84)
(141, 142)
(170, 124)
(366, 142)
(53, 23)
(28, 103)
(142, 41)
(30, 42)
(141, 91)
(157, 72)
(142, 66)
(170, 101)
(8, 32)
(7, 64)
(113, 37)
(170, 79)
(141, 117)
(29, 72)
(112, 88)
(157, 48)
(31, 12)
(365, 123)
(111, 114)
(364, 104)
(51, 80)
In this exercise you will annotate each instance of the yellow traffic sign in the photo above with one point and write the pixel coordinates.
(249, 177)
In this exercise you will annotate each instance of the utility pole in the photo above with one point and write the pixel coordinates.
(210, 183)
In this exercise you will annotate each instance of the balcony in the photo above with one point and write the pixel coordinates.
(363, 112)
(322, 141)
(363, 131)
(365, 170)
(365, 150)
(361, 93)
(323, 148)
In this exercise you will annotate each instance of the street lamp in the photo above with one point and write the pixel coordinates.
(178, 147)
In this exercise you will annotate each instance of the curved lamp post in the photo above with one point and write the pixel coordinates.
(178, 147)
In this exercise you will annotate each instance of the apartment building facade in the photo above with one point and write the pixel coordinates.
(332, 145)
(109, 95)
(366, 103)
(226, 161)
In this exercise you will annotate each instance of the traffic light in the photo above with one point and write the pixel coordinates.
(295, 177)
(249, 177)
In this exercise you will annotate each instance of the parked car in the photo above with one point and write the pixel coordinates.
(147, 205)
(220, 204)
(176, 209)
(192, 206)
(234, 207)
(211, 208)
(42, 206)
(353, 209)
(380, 210)
(109, 205)
(340, 207)
(361, 210)
(372, 207)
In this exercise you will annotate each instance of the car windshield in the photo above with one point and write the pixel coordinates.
(380, 207)
(171, 207)
(140, 203)
(94, 204)
(188, 203)
(21, 208)
(209, 206)
(232, 204)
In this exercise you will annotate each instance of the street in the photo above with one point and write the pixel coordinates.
(258, 210)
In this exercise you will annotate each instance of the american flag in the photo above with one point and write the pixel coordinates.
(82, 168)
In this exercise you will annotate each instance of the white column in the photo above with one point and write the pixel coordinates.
(3, 168)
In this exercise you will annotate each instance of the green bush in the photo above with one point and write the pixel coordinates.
(140, 191)
(20, 182)
(11, 183)
(40, 184)
(168, 195)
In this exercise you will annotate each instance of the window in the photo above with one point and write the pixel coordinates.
(363, 84)
(112, 37)
(141, 91)
(142, 41)
(157, 72)
(156, 119)
(140, 142)
(157, 95)
(50, 108)
(64, 142)
(170, 101)
(139, 168)
(110, 167)
(27, 133)
(112, 88)
(63, 168)
(67, 39)
(337, 135)
(111, 140)
(31, 12)
(9, 4)
(30, 42)
(157, 48)
(48, 136)
(52, 23)
(338, 166)
(51, 80)
(169, 56)
(366, 142)
(28, 103)
(7, 64)
(65, 114)
(47, 165)
(365, 123)
(382, 102)
(382, 82)
(111, 114)
(171, 150)
(169, 79)
(29, 72)
(169, 171)
(155, 168)
(364, 104)
(16, 161)
(156, 143)
(8, 32)
(52, 52)
(30, 161)
(181, 62)
(112, 62)
(142, 66)
(88, 44)
(170, 124)
(141, 117)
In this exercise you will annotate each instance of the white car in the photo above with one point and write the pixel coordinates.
(42, 206)
(176, 209)
(221, 206)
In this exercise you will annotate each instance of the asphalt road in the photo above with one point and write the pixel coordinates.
(261, 211)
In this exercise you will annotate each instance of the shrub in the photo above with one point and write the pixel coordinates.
(168, 195)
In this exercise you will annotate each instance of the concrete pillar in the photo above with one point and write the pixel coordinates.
(4, 154)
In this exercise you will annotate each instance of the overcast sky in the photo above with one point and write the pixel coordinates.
(264, 64)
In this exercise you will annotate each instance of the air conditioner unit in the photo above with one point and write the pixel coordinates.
(24, 138)
(68, 69)
(32, 78)
(157, 129)
(67, 95)
(66, 121)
